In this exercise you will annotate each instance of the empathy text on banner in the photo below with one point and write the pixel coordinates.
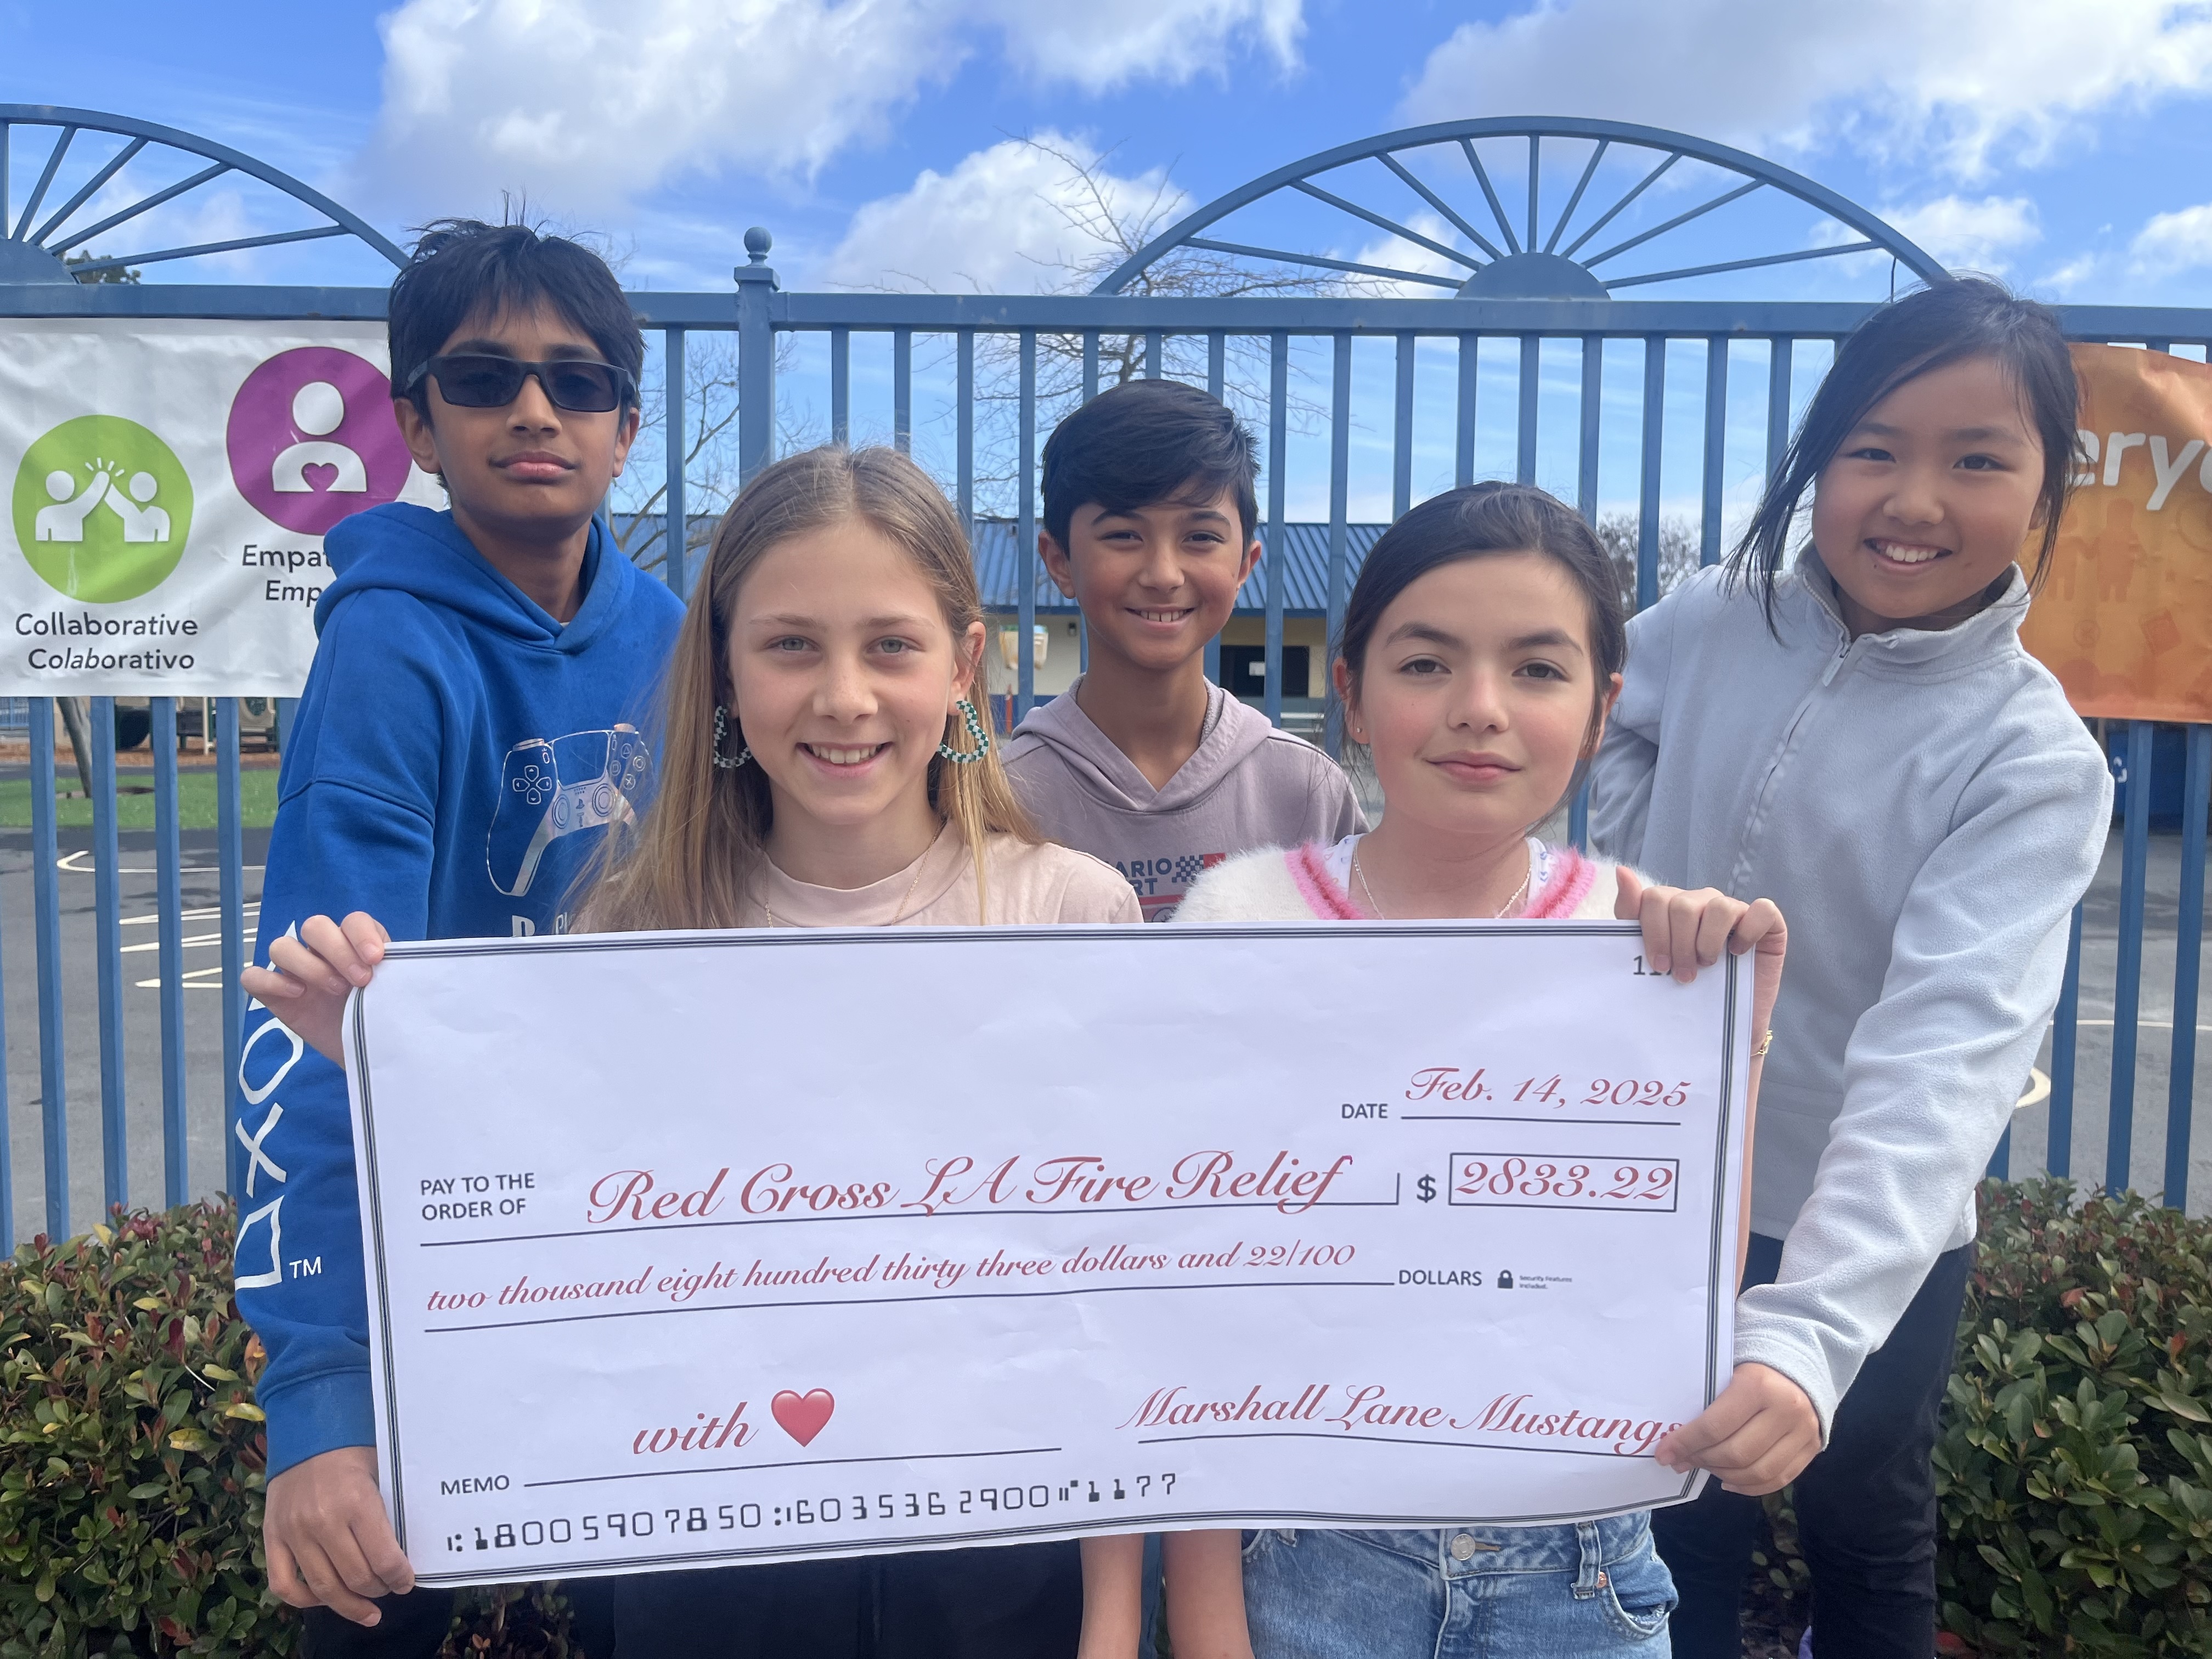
(698, 1250)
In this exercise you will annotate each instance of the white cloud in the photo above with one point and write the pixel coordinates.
(1961, 81)
(198, 218)
(1395, 253)
(2171, 242)
(1021, 216)
(1103, 44)
(2071, 278)
(587, 104)
(1969, 235)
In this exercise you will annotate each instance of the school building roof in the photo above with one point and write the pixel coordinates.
(1302, 563)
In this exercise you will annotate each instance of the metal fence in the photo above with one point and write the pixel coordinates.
(1713, 386)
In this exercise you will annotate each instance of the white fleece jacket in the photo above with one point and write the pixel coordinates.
(1927, 810)
(1274, 884)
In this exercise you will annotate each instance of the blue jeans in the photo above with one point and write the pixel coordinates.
(1471, 1592)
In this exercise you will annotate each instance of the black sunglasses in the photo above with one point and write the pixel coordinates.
(576, 384)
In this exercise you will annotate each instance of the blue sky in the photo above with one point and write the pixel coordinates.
(2063, 145)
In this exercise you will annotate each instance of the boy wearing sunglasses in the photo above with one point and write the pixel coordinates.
(470, 728)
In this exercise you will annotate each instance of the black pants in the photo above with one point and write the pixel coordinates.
(1021, 1602)
(413, 1626)
(1866, 1505)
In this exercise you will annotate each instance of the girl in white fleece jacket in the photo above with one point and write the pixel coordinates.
(1860, 735)
(1481, 648)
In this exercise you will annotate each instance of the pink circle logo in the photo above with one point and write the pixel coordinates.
(311, 439)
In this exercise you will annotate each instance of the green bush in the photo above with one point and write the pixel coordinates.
(130, 1448)
(2075, 1470)
(2075, 1467)
(131, 1455)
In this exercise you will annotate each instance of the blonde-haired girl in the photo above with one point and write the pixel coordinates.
(830, 666)
(824, 765)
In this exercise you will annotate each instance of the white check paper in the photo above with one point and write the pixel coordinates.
(698, 1250)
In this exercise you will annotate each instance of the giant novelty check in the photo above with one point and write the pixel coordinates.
(693, 1249)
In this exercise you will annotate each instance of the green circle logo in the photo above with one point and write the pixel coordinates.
(102, 507)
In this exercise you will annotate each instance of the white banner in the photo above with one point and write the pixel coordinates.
(170, 484)
(695, 1249)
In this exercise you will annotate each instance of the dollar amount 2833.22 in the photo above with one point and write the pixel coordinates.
(1537, 1181)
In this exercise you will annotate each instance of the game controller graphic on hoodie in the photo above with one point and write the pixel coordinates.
(549, 788)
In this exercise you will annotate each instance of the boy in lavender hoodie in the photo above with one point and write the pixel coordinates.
(1149, 526)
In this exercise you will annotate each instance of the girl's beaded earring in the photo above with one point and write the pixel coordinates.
(976, 733)
(721, 730)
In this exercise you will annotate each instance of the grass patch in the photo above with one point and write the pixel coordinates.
(195, 803)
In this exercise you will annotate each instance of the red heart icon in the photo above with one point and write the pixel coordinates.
(803, 1416)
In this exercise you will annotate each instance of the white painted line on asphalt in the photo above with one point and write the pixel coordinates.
(87, 869)
(155, 944)
(196, 980)
(2039, 1089)
(251, 906)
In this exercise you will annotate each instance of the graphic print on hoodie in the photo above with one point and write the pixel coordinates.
(1248, 786)
(453, 744)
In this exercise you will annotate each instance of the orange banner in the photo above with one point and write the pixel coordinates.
(2125, 618)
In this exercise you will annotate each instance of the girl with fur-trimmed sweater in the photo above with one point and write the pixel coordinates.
(1480, 653)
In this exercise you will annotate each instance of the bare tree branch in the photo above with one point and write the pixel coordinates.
(1112, 220)
(1678, 551)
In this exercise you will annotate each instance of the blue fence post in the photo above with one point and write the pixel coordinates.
(841, 386)
(1470, 372)
(1401, 431)
(47, 904)
(107, 956)
(1647, 510)
(1587, 415)
(1339, 496)
(1781, 360)
(169, 918)
(1217, 374)
(1586, 436)
(902, 389)
(1716, 379)
(756, 280)
(677, 539)
(2065, 1031)
(1278, 551)
(230, 866)
(2188, 946)
(1026, 556)
(2127, 977)
(1531, 382)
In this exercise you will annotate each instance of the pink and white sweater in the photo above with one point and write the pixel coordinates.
(1315, 881)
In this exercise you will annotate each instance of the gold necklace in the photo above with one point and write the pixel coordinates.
(1381, 915)
(897, 916)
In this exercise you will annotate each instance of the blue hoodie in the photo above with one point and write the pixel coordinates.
(452, 741)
